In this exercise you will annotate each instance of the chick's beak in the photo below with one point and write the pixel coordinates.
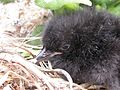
(45, 54)
(41, 54)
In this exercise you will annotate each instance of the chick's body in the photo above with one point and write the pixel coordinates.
(90, 45)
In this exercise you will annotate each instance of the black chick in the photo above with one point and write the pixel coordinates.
(88, 42)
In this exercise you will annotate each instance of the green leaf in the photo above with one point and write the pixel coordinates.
(36, 33)
(86, 2)
(115, 10)
(52, 4)
(71, 6)
(6, 1)
(56, 4)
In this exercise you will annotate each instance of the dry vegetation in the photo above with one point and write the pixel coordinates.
(17, 73)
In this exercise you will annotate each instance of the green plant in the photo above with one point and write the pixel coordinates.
(6, 1)
(112, 6)
(59, 6)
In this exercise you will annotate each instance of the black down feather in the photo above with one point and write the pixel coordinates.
(89, 43)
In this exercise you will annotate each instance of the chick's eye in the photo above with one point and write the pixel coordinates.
(65, 47)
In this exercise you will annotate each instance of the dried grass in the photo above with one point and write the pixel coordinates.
(17, 73)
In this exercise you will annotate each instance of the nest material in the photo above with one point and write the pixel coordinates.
(17, 73)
